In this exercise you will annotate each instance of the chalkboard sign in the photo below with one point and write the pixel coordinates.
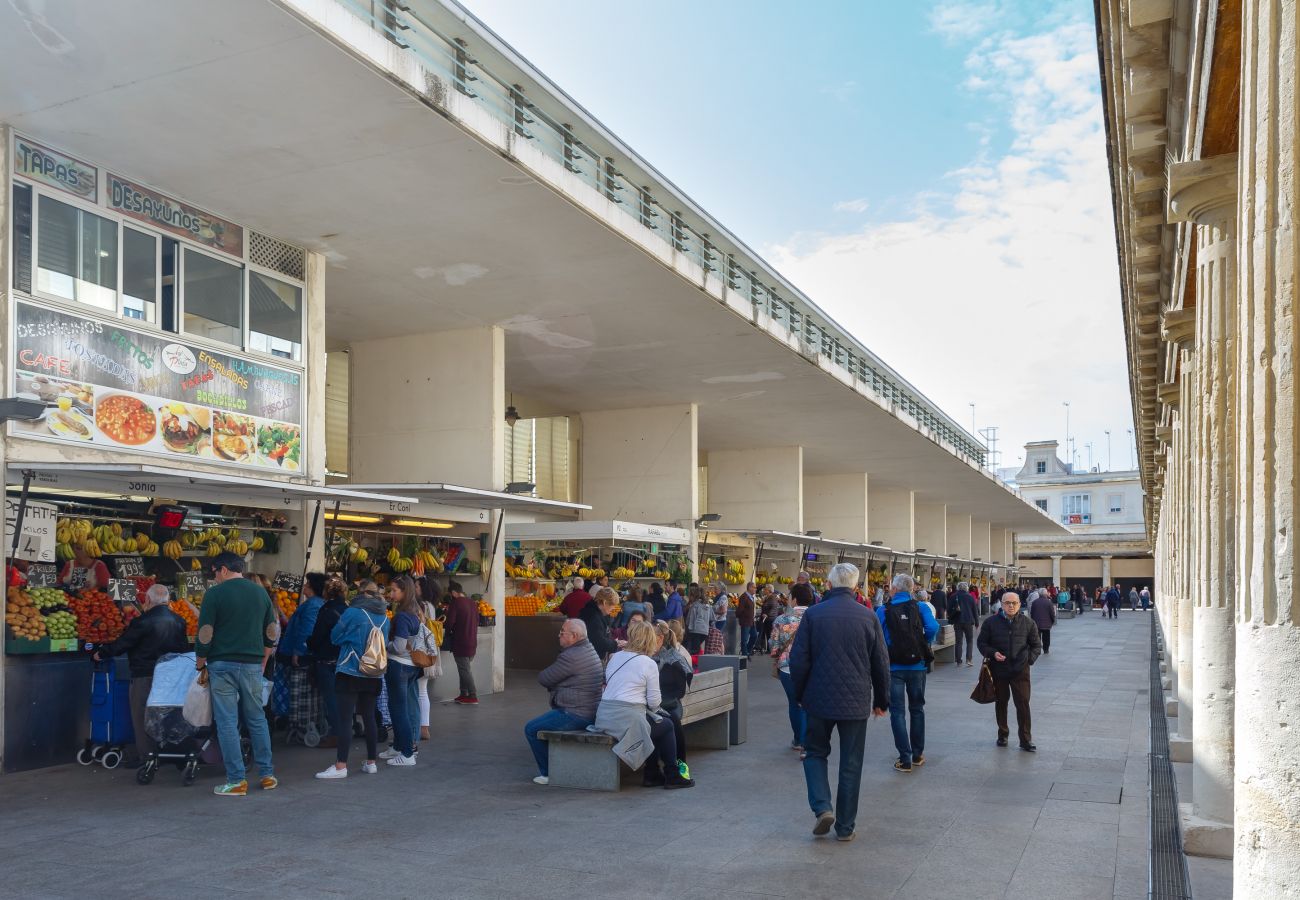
(77, 578)
(287, 581)
(128, 566)
(123, 590)
(42, 575)
(191, 584)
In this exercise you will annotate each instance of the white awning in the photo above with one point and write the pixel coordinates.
(794, 540)
(606, 532)
(141, 479)
(478, 498)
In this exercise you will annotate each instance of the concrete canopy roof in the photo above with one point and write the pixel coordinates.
(244, 110)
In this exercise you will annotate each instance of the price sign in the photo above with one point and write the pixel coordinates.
(128, 566)
(191, 584)
(122, 590)
(36, 539)
(42, 575)
(287, 581)
(77, 578)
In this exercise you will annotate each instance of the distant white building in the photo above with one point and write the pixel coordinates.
(1103, 511)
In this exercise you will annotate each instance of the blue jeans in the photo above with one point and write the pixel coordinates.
(325, 684)
(853, 740)
(403, 705)
(747, 634)
(552, 720)
(237, 692)
(798, 718)
(909, 686)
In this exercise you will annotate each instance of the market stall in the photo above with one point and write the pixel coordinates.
(779, 556)
(86, 540)
(542, 557)
(447, 532)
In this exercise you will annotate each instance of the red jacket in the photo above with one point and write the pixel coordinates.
(573, 603)
(462, 620)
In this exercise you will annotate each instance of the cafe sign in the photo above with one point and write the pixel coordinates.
(168, 214)
(57, 170)
(108, 385)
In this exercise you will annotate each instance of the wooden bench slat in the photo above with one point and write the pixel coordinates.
(578, 737)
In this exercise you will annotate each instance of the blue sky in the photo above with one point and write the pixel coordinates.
(930, 172)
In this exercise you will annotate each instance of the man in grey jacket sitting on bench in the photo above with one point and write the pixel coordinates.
(575, 681)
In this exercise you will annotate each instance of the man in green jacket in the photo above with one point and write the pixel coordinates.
(238, 630)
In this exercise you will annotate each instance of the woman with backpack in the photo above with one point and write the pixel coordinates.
(360, 635)
(402, 673)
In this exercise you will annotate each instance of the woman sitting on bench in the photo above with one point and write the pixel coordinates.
(629, 710)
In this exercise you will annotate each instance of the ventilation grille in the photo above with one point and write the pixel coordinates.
(1167, 879)
(276, 256)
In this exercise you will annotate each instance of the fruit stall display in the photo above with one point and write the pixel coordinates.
(186, 610)
(379, 554)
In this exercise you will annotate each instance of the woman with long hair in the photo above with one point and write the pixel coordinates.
(356, 692)
(675, 674)
(402, 674)
(430, 597)
(699, 618)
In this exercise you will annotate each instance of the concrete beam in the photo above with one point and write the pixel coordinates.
(758, 488)
(640, 465)
(891, 518)
(837, 506)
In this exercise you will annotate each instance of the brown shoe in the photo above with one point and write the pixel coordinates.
(328, 743)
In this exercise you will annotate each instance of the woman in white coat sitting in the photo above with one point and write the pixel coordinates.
(629, 710)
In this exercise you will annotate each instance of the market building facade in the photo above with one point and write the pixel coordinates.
(466, 253)
(1201, 115)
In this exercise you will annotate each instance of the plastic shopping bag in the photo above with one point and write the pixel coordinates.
(198, 704)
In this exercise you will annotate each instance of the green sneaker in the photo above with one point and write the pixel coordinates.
(684, 769)
(238, 789)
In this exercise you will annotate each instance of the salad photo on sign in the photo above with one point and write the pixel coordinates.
(279, 445)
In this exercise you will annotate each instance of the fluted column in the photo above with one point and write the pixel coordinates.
(1204, 192)
(1266, 802)
(1180, 743)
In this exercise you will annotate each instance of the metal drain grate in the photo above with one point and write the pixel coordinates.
(1167, 875)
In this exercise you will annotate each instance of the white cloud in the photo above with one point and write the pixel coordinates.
(858, 205)
(955, 19)
(1001, 288)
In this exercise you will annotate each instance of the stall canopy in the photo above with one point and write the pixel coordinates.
(603, 531)
(166, 481)
(456, 495)
(794, 539)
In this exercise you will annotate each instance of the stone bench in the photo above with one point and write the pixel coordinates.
(585, 759)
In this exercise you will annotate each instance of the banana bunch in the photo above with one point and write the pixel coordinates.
(63, 550)
(103, 535)
(214, 549)
(188, 540)
(393, 556)
(257, 543)
(172, 549)
(142, 542)
(237, 546)
(92, 548)
(403, 565)
(233, 535)
(150, 549)
(196, 565)
(426, 562)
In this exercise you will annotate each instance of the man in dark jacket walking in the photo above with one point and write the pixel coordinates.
(963, 614)
(1042, 609)
(839, 672)
(575, 680)
(325, 657)
(1112, 602)
(1009, 644)
(462, 622)
(157, 632)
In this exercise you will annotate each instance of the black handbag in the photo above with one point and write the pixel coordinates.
(985, 690)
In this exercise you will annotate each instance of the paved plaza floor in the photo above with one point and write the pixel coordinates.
(1069, 821)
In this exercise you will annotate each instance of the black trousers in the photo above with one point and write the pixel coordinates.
(353, 695)
(1016, 688)
(966, 633)
(1046, 635)
(694, 642)
(663, 734)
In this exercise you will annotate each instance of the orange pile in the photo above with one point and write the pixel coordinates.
(187, 612)
(285, 601)
(528, 605)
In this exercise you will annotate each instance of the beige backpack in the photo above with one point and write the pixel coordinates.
(374, 661)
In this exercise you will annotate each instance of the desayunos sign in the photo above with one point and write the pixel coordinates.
(171, 215)
(111, 386)
(50, 167)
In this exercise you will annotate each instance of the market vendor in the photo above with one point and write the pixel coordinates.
(154, 634)
(96, 576)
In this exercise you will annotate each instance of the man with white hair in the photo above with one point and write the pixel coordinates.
(909, 630)
(576, 600)
(839, 673)
(1010, 645)
(575, 680)
(151, 635)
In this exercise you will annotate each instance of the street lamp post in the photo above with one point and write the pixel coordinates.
(1131, 463)
(1066, 404)
(1107, 449)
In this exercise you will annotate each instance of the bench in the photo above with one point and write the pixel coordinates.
(585, 759)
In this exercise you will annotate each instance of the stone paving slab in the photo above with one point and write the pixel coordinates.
(976, 821)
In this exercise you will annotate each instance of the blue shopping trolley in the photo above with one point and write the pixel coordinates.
(110, 714)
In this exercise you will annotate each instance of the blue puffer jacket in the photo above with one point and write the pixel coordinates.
(929, 623)
(301, 623)
(838, 664)
(353, 630)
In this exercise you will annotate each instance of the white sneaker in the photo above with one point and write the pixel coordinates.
(541, 779)
(390, 753)
(400, 760)
(370, 768)
(332, 772)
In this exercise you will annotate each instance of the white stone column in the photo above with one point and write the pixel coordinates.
(981, 542)
(1266, 801)
(642, 465)
(757, 488)
(1180, 743)
(891, 517)
(1105, 570)
(836, 505)
(1056, 571)
(932, 527)
(959, 541)
(1205, 193)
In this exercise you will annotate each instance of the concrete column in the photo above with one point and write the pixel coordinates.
(998, 545)
(932, 527)
(1266, 804)
(959, 531)
(1056, 571)
(1205, 193)
(981, 545)
(1185, 444)
(759, 488)
(891, 518)
(429, 408)
(836, 505)
(1105, 570)
(640, 465)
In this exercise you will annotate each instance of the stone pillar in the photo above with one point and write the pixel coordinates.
(1204, 192)
(642, 465)
(998, 545)
(1056, 571)
(1180, 746)
(836, 505)
(1105, 571)
(891, 518)
(959, 535)
(981, 544)
(1266, 803)
(758, 488)
(932, 527)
